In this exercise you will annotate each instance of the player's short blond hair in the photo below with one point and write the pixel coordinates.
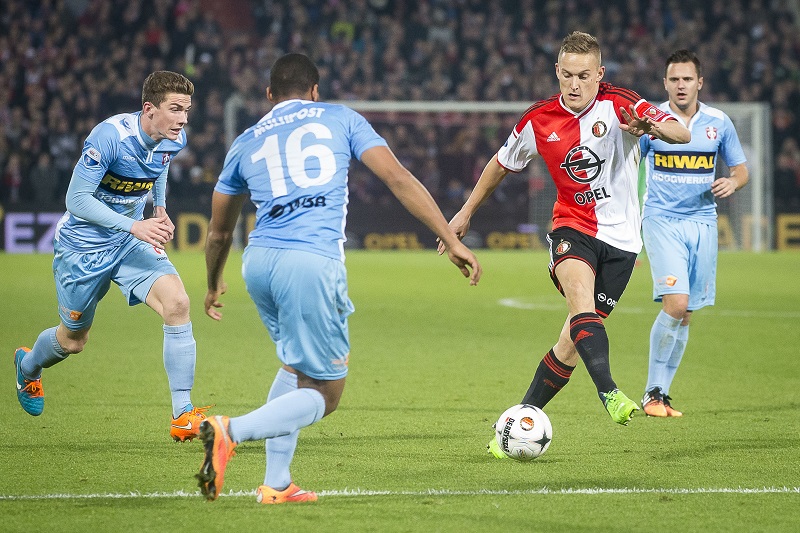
(579, 42)
(162, 82)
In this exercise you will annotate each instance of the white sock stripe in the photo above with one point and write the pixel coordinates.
(430, 492)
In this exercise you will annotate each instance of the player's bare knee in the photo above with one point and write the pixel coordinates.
(175, 310)
(677, 306)
(73, 345)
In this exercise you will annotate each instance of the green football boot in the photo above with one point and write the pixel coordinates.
(619, 406)
(494, 449)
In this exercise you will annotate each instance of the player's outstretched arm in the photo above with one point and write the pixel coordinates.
(225, 210)
(670, 131)
(493, 173)
(418, 201)
(726, 186)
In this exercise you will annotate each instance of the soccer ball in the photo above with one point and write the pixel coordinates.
(523, 432)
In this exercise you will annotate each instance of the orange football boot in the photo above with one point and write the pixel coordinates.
(218, 448)
(291, 494)
(653, 403)
(671, 411)
(187, 425)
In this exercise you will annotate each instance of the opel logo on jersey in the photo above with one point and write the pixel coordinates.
(582, 164)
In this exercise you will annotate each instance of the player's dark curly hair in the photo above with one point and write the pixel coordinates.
(684, 56)
(292, 75)
(162, 82)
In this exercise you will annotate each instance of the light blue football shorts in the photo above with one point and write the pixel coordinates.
(302, 300)
(683, 258)
(82, 279)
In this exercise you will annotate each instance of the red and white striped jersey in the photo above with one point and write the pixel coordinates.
(594, 164)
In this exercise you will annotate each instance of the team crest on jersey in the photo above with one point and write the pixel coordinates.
(711, 132)
(165, 158)
(582, 164)
(599, 128)
(563, 247)
(91, 158)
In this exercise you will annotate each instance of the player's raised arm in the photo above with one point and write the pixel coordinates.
(418, 201)
(668, 130)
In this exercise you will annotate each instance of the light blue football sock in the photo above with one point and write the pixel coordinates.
(280, 450)
(677, 354)
(281, 416)
(180, 356)
(45, 353)
(662, 341)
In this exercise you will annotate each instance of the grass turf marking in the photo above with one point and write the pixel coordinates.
(349, 493)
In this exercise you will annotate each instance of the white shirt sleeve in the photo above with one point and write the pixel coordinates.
(519, 149)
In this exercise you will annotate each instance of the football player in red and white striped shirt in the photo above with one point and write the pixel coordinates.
(588, 137)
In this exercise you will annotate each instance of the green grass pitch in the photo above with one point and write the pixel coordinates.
(433, 363)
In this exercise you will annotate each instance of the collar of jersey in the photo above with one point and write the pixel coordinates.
(293, 100)
(144, 139)
(282, 105)
(580, 113)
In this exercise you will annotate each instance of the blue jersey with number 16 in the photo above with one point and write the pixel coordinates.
(294, 165)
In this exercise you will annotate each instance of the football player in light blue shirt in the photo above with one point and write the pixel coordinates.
(104, 237)
(679, 221)
(293, 164)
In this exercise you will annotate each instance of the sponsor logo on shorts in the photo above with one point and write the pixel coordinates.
(671, 281)
(602, 298)
(75, 315)
(563, 247)
(344, 361)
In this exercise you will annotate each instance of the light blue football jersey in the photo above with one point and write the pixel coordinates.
(679, 176)
(124, 163)
(294, 165)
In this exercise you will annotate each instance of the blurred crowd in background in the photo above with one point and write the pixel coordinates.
(65, 65)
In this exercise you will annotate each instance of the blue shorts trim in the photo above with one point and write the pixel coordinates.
(683, 258)
(302, 300)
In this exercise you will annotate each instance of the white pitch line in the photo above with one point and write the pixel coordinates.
(517, 303)
(349, 493)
